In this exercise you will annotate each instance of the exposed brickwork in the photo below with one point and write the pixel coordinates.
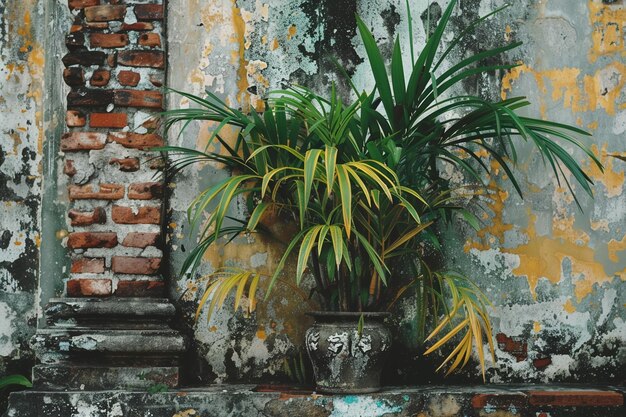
(140, 240)
(114, 64)
(145, 191)
(150, 39)
(137, 26)
(135, 266)
(576, 398)
(141, 215)
(112, 120)
(152, 59)
(105, 13)
(88, 265)
(136, 140)
(75, 118)
(89, 287)
(96, 192)
(82, 141)
(82, 240)
(87, 218)
(140, 289)
(108, 40)
(128, 78)
(126, 164)
(135, 98)
(81, 4)
(516, 346)
(100, 78)
(149, 11)
(74, 76)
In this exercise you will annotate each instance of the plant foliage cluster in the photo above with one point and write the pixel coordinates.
(360, 182)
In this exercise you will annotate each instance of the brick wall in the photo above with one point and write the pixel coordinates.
(115, 66)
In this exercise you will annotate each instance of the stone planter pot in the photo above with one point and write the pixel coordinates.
(343, 362)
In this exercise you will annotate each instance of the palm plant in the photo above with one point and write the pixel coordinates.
(360, 184)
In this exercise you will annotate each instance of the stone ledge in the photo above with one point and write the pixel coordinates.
(250, 401)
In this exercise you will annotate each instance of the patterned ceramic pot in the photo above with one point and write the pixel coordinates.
(343, 361)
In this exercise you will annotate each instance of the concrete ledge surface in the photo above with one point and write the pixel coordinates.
(272, 401)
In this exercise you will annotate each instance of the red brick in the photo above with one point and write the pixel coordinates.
(126, 164)
(145, 191)
(82, 141)
(105, 13)
(83, 240)
(89, 287)
(129, 78)
(87, 218)
(105, 192)
(108, 40)
(111, 120)
(84, 97)
(84, 57)
(149, 11)
(88, 266)
(541, 363)
(140, 289)
(69, 169)
(499, 401)
(75, 41)
(137, 26)
(75, 118)
(576, 398)
(137, 140)
(112, 60)
(140, 240)
(150, 39)
(138, 98)
(76, 28)
(74, 76)
(142, 215)
(135, 266)
(81, 4)
(100, 78)
(152, 59)
(96, 25)
(516, 346)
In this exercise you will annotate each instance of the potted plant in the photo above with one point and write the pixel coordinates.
(359, 185)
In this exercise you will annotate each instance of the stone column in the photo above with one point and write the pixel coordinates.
(111, 329)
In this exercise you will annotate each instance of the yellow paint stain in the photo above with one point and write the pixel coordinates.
(612, 180)
(616, 246)
(592, 125)
(536, 327)
(291, 32)
(264, 40)
(239, 25)
(172, 225)
(584, 93)
(602, 224)
(569, 306)
(260, 333)
(18, 243)
(213, 328)
(607, 22)
(274, 45)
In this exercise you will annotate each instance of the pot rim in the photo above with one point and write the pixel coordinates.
(348, 314)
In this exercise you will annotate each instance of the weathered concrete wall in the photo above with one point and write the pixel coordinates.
(555, 274)
(21, 150)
